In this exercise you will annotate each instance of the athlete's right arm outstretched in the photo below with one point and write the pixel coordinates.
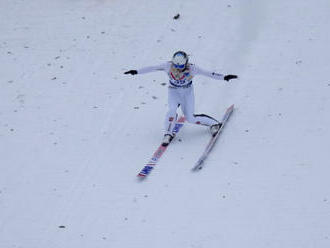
(162, 67)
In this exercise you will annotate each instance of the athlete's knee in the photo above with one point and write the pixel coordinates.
(171, 116)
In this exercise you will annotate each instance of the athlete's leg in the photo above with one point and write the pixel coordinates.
(188, 108)
(171, 116)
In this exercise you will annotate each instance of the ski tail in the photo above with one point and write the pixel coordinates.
(146, 170)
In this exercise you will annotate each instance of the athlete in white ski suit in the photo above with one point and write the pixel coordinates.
(181, 92)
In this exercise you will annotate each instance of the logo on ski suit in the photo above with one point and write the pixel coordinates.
(180, 79)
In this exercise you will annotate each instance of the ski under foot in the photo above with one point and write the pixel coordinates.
(200, 163)
(159, 152)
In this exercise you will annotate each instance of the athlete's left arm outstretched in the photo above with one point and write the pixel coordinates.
(218, 76)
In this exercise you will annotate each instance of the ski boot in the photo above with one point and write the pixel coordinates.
(167, 139)
(214, 129)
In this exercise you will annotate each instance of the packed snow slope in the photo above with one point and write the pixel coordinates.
(75, 131)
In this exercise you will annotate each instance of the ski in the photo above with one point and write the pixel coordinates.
(159, 152)
(200, 163)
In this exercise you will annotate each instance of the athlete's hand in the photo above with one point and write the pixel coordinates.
(132, 72)
(229, 77)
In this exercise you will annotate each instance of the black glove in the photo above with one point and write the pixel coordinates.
(228, 77)
(132, 72)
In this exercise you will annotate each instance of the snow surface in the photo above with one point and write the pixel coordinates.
(74, 131)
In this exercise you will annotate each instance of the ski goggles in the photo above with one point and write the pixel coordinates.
(177, 66)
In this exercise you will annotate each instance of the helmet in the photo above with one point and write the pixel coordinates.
(180, 60)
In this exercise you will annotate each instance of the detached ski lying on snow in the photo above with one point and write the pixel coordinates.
(159, 152)
(200, 163)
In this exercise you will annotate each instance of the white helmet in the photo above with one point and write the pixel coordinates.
(180, 60)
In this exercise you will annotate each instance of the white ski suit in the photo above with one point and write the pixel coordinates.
(181, 93)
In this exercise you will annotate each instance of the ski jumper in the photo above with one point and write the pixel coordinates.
(181, 93)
